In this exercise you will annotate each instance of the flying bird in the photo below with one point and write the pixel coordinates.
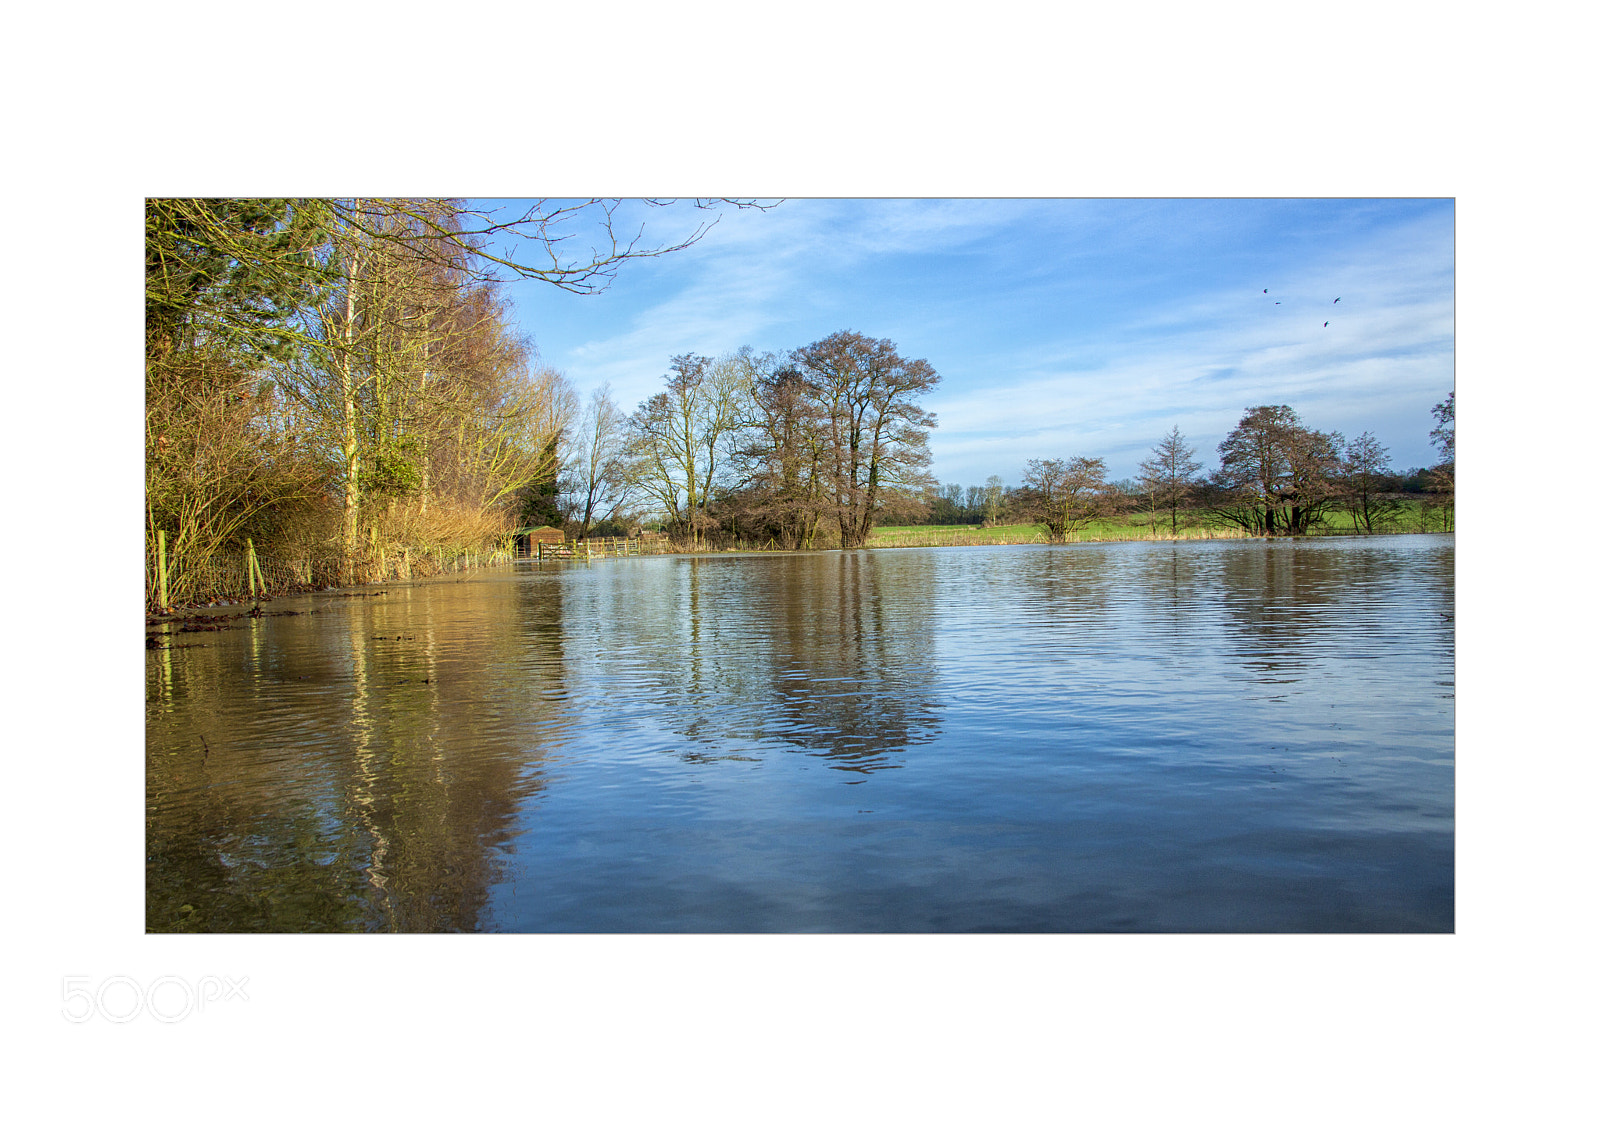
(1324, 325)
(1277, 304)
(1263, 290)
(1335, 300)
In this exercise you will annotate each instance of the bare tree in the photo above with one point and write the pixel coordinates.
(994, 497)
(783, 455)
(683, 439)
(1277, 476)
(599, 474)
(1364, 477)
(1443, 435)
(1167, 477)
(877, 432)
(1064, 495)
(536, 239)
(1442, 476)
(596, 482)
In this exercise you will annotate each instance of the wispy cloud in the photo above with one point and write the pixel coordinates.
(1386, 355)
(1066, 327)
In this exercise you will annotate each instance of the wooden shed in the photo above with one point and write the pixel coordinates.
(529, 537)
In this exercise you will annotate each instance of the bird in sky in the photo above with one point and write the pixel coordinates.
(1336, 300)
(1263, 290)
(1324, 325)
(1277, 304)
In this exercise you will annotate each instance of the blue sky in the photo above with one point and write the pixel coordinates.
(1059, 327)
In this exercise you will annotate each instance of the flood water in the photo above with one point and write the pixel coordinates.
(1207, 736)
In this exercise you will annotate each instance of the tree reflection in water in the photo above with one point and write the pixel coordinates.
(736, 659)
(1227, 736)
(357, 772)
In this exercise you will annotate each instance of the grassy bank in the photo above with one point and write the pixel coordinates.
(1021, 534)
(1413, 518)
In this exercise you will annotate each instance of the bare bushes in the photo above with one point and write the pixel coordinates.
(301, 549)
(219, 470)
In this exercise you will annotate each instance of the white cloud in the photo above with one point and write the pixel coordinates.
(1017, 304)
(1386, 355)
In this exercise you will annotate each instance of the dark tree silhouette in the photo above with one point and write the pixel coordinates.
(1277, 476)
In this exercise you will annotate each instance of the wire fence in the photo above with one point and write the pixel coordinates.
(230, 577)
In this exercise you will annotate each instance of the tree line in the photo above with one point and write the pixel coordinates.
(797, 450)
(1274, 476)
(813, 447)
(338, 384)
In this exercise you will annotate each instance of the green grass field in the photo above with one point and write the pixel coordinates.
(884, 537)
(1127, 528)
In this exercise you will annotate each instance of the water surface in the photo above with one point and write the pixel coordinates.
(1210, 736)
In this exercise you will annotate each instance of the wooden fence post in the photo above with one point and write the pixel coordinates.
(161, 566)
(255, 568)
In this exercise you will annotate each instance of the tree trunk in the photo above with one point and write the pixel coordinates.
(352, 439)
